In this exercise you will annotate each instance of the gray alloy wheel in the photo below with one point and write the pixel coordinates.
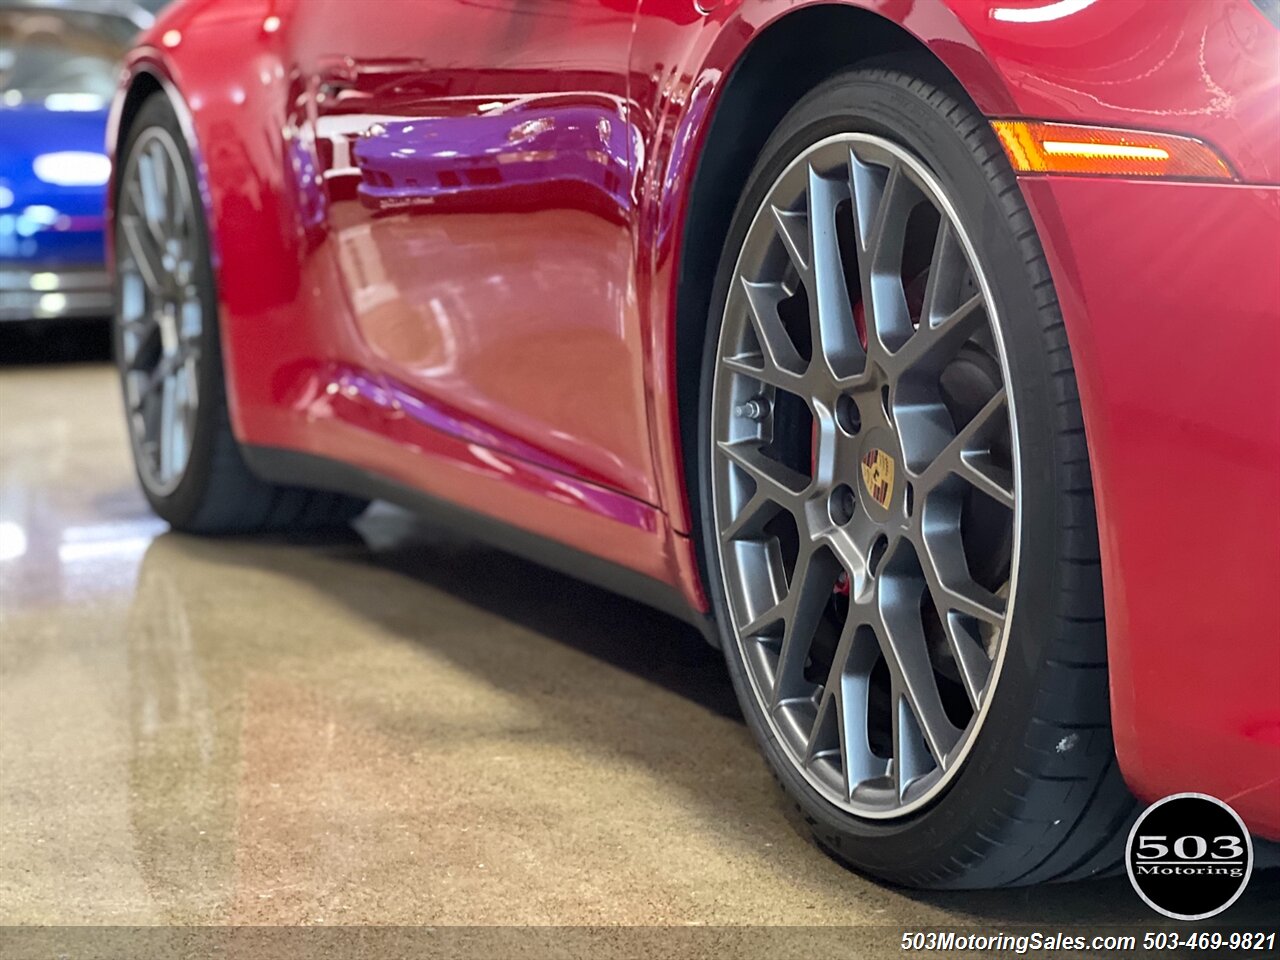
(864, 475)
(161, 312)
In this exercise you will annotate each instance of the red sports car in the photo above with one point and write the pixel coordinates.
(924, 354)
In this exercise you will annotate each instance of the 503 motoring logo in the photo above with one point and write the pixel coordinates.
(1189, 856)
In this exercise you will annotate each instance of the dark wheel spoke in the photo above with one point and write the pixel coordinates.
(168, 427)
(846, 699)
(810, 591)
(882, 199)
(946, 572)
(860, 763)
(171, 208)
(989, 476)
(882, 229)
(190, 321)
(911, 753)
(143, 344)
(871, 183)
(142, 248)
(793, 229)
(933, 344)
(850, 544)
(152, 185)
(865, 498)
(970, 656)
(749, 524)
(831, 327)
(774, 616)
(946, 293)
(191, 378)
(971, 600)
(827, 721)
(778, 363)
(967, 455)
(162, 373)
(774, 480)
(906, 652)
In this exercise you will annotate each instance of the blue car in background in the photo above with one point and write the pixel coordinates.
(58, 68)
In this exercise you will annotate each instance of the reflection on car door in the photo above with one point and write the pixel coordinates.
(477, 166)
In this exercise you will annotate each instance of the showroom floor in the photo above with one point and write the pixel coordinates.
(385, 726)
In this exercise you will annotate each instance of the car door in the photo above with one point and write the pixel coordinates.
(477, 158)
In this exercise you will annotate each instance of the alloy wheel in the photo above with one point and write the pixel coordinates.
(865, 475)
(160, 314)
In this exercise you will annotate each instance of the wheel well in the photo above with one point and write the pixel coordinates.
(140, 90)
(143, 86)
(787, 60)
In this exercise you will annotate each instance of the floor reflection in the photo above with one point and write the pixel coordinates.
(387, 725)
(310, 754)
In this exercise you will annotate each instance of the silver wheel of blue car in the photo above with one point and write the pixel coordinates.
(160, 311)
(865, 475)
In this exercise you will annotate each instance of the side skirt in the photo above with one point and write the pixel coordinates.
(298, 469)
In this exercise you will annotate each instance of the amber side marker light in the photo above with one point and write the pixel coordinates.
(1068, 148)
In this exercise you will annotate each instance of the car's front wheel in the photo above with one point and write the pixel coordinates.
(897, 510)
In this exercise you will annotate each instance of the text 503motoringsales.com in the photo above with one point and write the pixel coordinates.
(1017, 943)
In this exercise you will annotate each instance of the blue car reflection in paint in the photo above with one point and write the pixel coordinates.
(58, 64)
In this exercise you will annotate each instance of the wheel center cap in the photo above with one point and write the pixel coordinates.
(879, 472)
(877, 476)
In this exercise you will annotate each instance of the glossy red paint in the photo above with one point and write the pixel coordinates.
(449, 238)
(1181, 335)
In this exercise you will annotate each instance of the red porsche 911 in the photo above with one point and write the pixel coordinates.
(922, 352)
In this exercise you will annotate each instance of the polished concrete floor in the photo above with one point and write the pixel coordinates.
(387, 726)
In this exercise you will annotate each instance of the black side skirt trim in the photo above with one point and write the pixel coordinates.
(297, 469)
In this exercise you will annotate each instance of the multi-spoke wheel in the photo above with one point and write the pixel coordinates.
(161, 311)
(168, 350)
(868, 560)
(891, 464)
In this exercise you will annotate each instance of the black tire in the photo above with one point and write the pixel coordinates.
(1040, 797)
(217, 493)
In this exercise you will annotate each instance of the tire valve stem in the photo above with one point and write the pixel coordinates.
(757, 408)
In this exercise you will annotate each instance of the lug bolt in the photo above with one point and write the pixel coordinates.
(754, 409)
(841, 503)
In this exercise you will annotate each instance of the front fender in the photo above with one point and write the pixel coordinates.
(235, 116)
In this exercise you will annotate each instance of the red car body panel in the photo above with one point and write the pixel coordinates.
(1182, 328)
(448, 238)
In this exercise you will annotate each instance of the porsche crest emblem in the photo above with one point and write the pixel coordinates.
(877, 476)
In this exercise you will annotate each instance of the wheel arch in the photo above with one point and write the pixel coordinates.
(745, 108)
(145, 76)
(234, 127)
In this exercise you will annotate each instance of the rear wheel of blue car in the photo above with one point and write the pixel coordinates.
(896, 502)
(168, 349)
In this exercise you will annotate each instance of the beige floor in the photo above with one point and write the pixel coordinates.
(391, 726)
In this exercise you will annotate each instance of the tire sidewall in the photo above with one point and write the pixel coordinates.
(908, 848)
